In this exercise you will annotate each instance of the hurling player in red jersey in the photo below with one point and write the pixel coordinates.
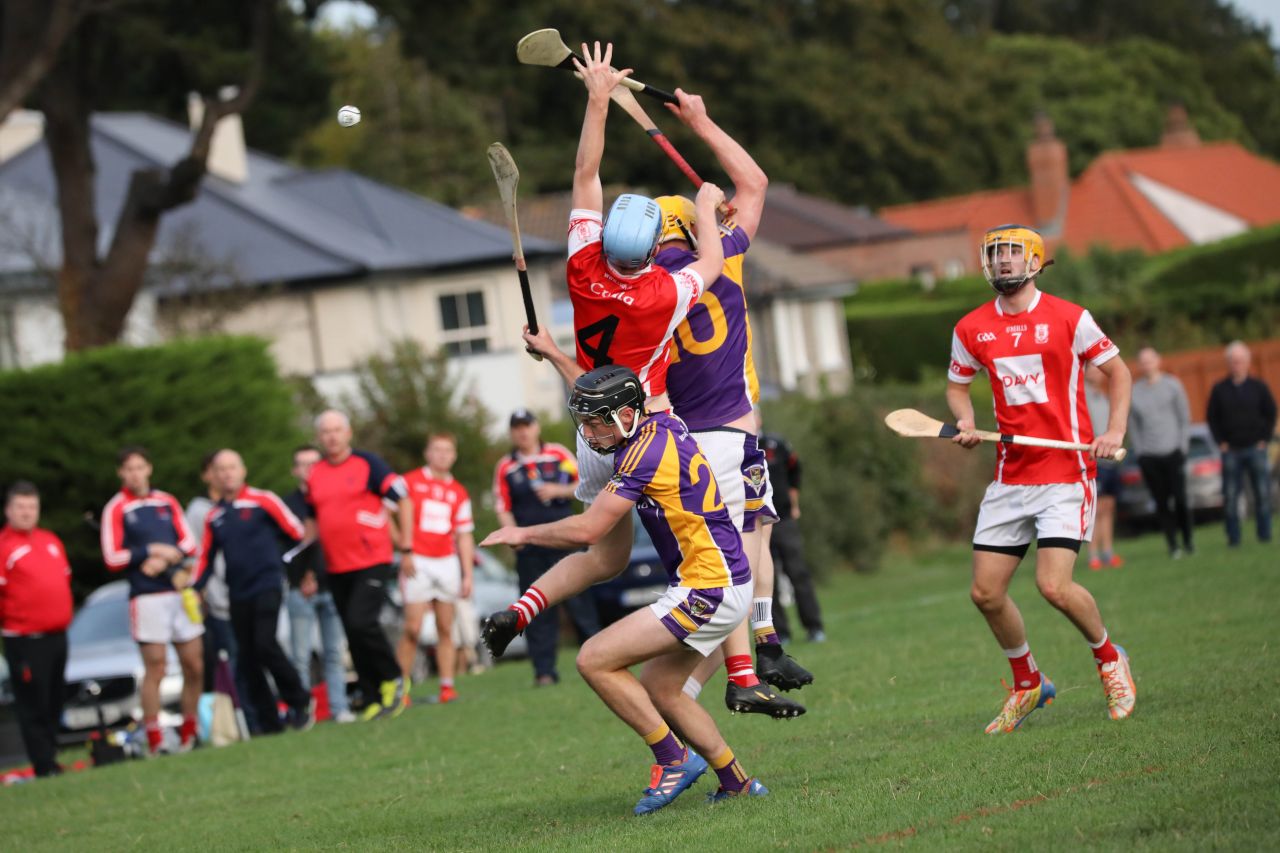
(624, 307)
(438, 571)
(1033, 347)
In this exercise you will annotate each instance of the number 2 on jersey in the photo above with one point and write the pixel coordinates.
(603, 331)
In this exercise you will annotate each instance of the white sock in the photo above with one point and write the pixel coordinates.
(1100, 643)
(762, 612)
(692, 688)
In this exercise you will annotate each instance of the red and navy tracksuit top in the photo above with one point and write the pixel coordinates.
(246, 531)
(130, 523)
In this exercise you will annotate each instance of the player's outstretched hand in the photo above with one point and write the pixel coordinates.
(498, 630)
(690, 108)
(541, 344)
(967, 438)
(710, 192)
(598, 75)
(510, 535)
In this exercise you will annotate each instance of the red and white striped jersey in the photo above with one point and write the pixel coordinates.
(1035, 361)
(441, 510)
(626, 320)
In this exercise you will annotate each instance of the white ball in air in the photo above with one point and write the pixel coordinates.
(348, 116)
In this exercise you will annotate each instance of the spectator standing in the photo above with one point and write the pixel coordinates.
(1242, 418)
(245, 527)
(1160, 434)
(1102, 553)
(217, 605)
(438, 571)
(310, 602)
(145, 534)
(35, 610)
(786, 547)
(534, 484)
(346, 490)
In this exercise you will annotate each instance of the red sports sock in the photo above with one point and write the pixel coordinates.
(188, 731)
(155, 735)
(1025, 674)
(1104, 652)
(741, 673)
(530, 605)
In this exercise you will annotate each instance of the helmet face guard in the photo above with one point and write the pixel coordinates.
(602, 394)
(678, 218)
(1009, 244)
(630, 236)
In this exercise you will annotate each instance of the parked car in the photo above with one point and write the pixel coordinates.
(642, 582)
(1204, 481)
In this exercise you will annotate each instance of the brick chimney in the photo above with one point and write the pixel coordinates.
(227, 156)
(1050, 180)
(1178, 130)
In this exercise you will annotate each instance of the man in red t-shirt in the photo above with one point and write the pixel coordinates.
(625, 308)
(346, 490)
(438, 571)
(35, 610)
(1034, 347)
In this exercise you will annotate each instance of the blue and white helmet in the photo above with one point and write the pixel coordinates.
(631, 232)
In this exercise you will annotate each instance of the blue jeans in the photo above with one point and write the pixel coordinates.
(303, 613)
(1237, 465)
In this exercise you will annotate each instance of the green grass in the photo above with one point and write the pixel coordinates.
(891, 753)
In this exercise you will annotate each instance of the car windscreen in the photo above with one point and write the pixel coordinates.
(1199, 447)
(107, 619)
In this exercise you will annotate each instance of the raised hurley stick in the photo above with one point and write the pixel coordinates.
(545, 47)
(914, 424)
(508, 178)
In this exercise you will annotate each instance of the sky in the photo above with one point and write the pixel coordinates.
(346, 13)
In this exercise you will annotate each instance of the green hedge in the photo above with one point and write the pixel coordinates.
(64, 424)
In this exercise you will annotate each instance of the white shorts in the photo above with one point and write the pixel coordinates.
(159, 617)
(1013, 516)
(741, 474)
(703, 618)
(595, 470)
(434, 579)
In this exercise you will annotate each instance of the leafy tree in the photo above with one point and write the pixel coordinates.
(91, 55)
(408, 394)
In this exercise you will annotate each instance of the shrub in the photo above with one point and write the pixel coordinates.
(65, 422)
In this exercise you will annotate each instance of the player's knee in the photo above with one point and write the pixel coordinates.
(1055, 591)
(985, 598)
(588, 662)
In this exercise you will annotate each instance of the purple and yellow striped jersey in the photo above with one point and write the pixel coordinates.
(662, 470)
(712, 377)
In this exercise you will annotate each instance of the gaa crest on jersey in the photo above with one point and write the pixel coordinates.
(1042, 333)
(755, 476)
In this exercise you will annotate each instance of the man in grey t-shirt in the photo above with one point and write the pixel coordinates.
(1160, 432)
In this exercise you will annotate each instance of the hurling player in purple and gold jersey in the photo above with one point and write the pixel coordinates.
(713, 388)
(659, 470)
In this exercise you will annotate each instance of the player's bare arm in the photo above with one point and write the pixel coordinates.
(1119, 387)
(599, 79)
(544, 345)
(404, 539)
(587, 528)
(467, 557)
(710, 249)
(749, 180)
(961, 405)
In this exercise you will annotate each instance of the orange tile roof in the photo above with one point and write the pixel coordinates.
(1104, 205)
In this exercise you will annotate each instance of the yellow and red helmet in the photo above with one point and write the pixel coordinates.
(678, 216)
(1022, 242)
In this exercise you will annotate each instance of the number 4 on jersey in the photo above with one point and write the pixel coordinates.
(594, 340)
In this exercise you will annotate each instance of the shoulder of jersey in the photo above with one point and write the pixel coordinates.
(985, 311)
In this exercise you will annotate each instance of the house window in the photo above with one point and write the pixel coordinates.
(464, 323)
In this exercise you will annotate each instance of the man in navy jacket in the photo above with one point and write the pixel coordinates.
(246, 527)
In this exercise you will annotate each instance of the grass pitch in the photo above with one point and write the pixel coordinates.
(890, 755)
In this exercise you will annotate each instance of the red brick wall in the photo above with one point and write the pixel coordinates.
(898, 257)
